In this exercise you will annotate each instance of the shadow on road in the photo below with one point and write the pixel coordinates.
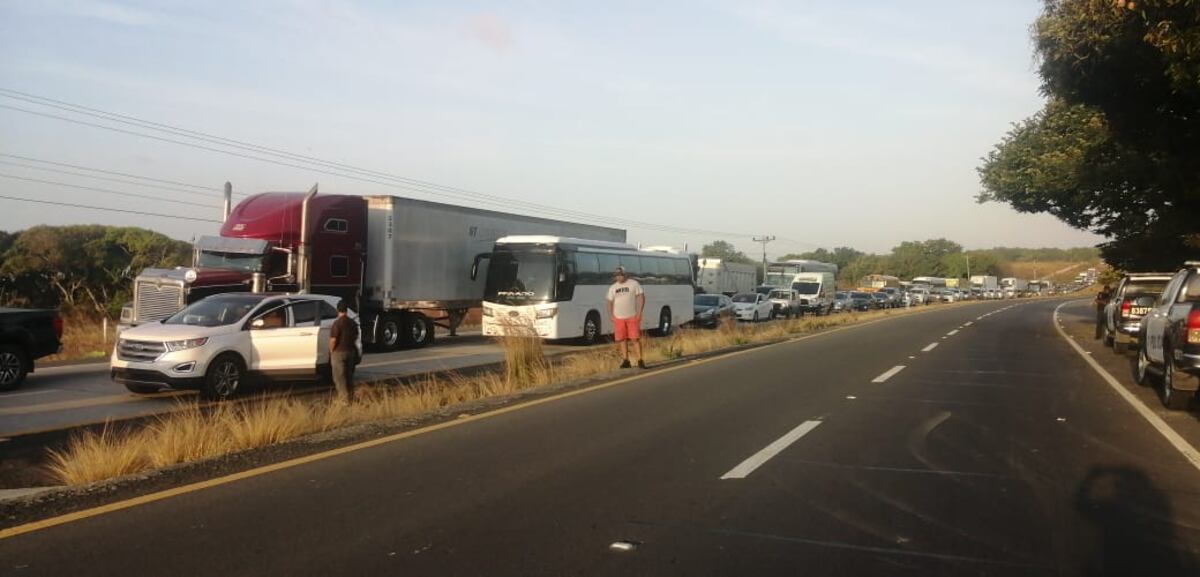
(1134, 526)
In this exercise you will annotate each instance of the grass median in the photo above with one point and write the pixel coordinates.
(196, 432)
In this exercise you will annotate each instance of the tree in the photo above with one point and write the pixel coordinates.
(922, 258)
(1114, 149)
(725, 251)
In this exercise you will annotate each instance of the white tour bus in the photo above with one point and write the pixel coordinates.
(558, 286)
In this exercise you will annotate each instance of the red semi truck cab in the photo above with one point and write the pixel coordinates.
(260, 242)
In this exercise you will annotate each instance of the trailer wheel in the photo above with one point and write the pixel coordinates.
(388, 337)
(416, 330)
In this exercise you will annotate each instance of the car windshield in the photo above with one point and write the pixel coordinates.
(216, 310)
(745, 298)
(858, 295)
(707, 300)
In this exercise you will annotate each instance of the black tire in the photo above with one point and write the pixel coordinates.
(1142, 372)
(1172, 398)
(388, 333)
(141, 389)
(591, 329)
(416, 330)
(665, 323)
(226, 375)
(14, 366)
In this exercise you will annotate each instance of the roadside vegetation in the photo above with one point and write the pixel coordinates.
(197, 431)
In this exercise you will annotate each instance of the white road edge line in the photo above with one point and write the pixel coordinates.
(1187, 450)
(968, 323)
(952, 333)
(929, 347)
(756, 460)
(889, 374)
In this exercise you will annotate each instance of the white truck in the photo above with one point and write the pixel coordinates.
(783, 273)
(1014, 287)
(816, 291)
(983, 284)
(715, 276)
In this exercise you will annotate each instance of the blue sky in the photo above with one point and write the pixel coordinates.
(823, 123)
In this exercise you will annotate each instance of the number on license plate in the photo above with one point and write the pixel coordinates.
(1139, 310)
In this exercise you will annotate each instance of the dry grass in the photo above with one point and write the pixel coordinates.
(84, 338)
(195, 432)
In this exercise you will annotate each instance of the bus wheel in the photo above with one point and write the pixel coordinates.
(591, 329)
(664, 322)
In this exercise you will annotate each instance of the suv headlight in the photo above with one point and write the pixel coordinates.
(173, 346)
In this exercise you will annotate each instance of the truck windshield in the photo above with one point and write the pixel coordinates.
(520, 275)
(244, 262)
(214, 311)
(778, 278)
(807, 288)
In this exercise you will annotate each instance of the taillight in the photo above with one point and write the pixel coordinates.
(1193, 327)
(58, 327)
(1126, 307)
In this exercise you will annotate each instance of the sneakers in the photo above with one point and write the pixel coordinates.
(641, 364)
(625, 364)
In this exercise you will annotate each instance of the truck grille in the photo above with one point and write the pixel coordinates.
(155, 302)
(143, 351)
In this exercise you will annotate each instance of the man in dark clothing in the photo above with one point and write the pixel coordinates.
(1102, 299)
(343, 352)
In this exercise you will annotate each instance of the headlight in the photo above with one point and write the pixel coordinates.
(189, 275)
(546, 313)
(173, 346)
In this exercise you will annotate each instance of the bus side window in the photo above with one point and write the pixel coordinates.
(633, 265)
(683, 271)
(587, 269)
(608, 264)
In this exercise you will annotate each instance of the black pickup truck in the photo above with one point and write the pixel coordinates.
(26, 335)
(1170, 345)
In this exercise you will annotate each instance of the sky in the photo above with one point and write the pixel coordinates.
(820, 123)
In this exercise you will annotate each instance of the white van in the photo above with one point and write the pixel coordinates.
(816, 290)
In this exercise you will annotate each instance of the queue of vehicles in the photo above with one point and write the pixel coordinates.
(1157, 316)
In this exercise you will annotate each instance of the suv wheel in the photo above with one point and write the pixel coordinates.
(224, 377)
(13, 367)
(1143, 367)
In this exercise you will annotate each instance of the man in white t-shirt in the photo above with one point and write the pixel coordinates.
(625, 303)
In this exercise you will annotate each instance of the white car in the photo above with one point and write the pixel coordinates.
(217, 343)
(752, 307)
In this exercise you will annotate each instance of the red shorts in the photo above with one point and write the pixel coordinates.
(630, 328)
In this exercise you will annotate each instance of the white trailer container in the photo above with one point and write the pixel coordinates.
(984, 283)
(420, 256)
(1014, 287)
(716, 276)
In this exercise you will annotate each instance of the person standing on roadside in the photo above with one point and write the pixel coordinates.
(626, 300)
(1101, 301)
(343, 351)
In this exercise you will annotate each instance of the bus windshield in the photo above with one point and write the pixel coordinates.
(520, 276)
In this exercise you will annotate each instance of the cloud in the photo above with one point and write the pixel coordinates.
(491, 31)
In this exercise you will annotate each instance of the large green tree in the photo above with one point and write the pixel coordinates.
(1114, 150)
(725, 251)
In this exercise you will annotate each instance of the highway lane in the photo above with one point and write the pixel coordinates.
(996, 452)
(59, 397)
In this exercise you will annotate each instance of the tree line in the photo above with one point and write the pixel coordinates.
(81, 268)
(934, 257)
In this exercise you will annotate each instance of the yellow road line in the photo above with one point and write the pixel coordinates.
(88, 402)
(259, 471)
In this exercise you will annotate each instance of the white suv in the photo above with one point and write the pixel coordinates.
(218, 342)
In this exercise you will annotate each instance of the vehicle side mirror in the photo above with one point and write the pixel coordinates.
(475, 263)
(258, 323)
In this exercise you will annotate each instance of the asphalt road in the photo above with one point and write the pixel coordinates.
(61, 397)
(995, 450)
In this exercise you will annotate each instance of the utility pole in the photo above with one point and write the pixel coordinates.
(968, 257)
(764, 240)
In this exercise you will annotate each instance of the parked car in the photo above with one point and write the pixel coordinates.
(786, 303)
(880, 300)
(752, 307)
(1131, 300)
(220, 342)
(25, 336)
(1170, 343)
(895, 296)
(918, 295)
(709, 310)
(841, 302)
(861, 301)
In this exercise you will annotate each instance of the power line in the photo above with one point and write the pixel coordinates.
(401, 182)
(105, 190)
(137, 212)
(207, 195)
(112, 172)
